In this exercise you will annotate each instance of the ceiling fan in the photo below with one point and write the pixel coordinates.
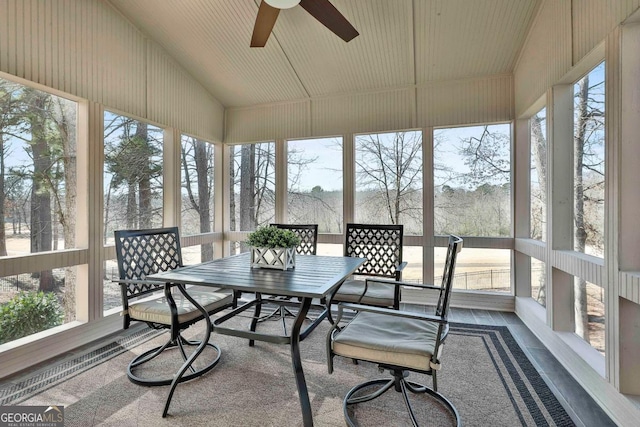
(322, 10)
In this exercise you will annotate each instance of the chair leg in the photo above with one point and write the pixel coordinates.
(281, 312)
(405, 397)
(399, 383)
(188, 342)
(151, 354)
(156, 351)
(386, 385)
(184, 354)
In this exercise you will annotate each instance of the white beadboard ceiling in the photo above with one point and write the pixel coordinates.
(401, 43)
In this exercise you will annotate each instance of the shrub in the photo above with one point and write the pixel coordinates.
(28, 313)
(273, 237)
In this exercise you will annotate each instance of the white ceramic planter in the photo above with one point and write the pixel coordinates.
(280, 258)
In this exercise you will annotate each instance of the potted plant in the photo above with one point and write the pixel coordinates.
(273, 247)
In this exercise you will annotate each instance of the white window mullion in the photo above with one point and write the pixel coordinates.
(222, 183)
(560, 206)
(90, 285)
(349, 170)
(428, 239)
(281, 181)
(521, 220)
(171, 179)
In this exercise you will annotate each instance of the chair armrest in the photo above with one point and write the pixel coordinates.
(392, 312)
(401, 283)
(136, 282)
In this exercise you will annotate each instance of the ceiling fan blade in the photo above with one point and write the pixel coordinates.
(331, 18)
(265, 21)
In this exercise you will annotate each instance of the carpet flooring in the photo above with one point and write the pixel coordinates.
(484, 373)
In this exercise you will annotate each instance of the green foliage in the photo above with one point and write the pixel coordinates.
(28, 313)
(273, 237)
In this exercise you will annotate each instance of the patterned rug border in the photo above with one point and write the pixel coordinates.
(57, 373)
(542, 389)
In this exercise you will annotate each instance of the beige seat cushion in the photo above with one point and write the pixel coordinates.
(157, 310)
(387, 339)
(378, 294)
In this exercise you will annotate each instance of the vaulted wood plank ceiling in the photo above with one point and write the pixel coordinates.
(402, 43)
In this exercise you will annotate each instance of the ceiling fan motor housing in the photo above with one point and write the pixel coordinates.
(282, 4)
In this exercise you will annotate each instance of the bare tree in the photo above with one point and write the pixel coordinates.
(389, 167)
(248, 183)
(197, 154)
(487, 157)
(474, 200)
(539, 160)
(9, 118)
(318, 204)
(588, 133)
(64, 117)
(252, 173)
(41, 217)
(580, 289)
(16, 193)
(232, 195)
(145, 176)
(255, 164)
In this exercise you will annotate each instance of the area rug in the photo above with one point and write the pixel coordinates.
(485, 374)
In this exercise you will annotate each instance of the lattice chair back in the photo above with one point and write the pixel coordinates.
(453, 248)
(308, 234)
(141, 253)
(380, 244)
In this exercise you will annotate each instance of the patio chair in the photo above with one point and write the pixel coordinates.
(141, 253)
(308, 234)
(381, 245)
(398, 341)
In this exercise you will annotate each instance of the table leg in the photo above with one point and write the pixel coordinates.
(305, 405)
(256, 316)
(195, 354)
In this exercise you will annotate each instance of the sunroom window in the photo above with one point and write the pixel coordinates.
(38, 208)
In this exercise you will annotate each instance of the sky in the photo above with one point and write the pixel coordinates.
(326, 171)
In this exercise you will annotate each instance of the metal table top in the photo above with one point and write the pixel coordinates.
(314, 276)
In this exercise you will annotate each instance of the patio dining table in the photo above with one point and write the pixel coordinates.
(314, 277)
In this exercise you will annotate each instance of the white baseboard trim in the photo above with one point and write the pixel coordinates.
(28, 352)
(463, 299)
